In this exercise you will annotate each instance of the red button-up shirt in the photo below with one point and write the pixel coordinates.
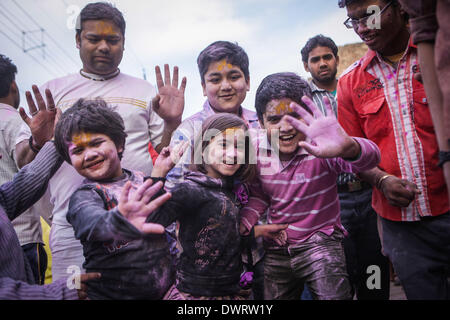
(389, 107)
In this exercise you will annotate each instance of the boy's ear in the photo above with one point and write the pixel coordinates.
(337, 61)
(248, 83)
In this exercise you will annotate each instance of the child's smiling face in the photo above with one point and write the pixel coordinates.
(95, 156)
(274, 121)
(225, 86)
(225, 154)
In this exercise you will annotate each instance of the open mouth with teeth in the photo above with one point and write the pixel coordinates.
(287, 138)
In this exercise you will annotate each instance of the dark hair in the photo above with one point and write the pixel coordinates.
(279, 86)
(220, 50)
(101, 11)
(7, 75)
(213, 126)
(89, 116)
(344, 3)
(318, 41)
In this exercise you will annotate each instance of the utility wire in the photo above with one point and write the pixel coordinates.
(49, 35)
(37, 43)
(32, 57)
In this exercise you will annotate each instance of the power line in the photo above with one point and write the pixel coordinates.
(48, 34)
(32, 57)
(37, 43)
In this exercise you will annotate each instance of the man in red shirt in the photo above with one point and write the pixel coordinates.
(380, 99)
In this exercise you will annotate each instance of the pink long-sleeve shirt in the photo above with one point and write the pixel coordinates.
(303, 191)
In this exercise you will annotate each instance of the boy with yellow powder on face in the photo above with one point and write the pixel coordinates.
(108, 211)
(296, 182)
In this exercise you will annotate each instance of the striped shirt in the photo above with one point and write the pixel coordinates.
(303, 192)
(29, 184)
(388, 106)
(318, 94)
(28, 225)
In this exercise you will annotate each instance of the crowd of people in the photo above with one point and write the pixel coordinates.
(319, 194)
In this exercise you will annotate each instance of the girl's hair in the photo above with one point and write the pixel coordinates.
(89, 116)
(212, 127)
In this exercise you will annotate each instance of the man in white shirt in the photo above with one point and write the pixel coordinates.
(148, 116)
(27, 226)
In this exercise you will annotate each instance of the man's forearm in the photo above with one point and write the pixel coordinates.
(372, 176)
(24, 154)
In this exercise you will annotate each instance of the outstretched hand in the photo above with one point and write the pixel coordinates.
(136, 206)
(168, 158)
(328, 138)
(43, 118)
(169, 102)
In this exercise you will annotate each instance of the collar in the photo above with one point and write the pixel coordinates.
(7, 107)
(96, 77)
(370, 55)
(250, 117)
(314, 87)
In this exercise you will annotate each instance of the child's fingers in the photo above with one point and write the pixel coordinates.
(125, 192)
(305, 115)
(328, 107)
(152, 228)
(314, 150)
(158, 202)
(312, 106)
(151, 191)
(297, 124)
(139, 193)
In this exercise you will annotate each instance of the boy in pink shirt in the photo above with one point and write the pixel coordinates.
(304, 152)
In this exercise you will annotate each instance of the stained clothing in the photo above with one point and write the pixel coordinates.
(388, 106)
(210, 261)
(28, 185)
(133, 265)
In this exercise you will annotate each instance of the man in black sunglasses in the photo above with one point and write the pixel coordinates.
(379, 98)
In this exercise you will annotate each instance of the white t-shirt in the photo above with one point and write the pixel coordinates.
(131, 98)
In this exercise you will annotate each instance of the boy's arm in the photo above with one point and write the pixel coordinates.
(30, 183)
(257, 204)
(92, 222)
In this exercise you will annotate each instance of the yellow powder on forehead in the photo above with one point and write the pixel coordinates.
(104, 28)
(224, 64)
(283, 107)
(81, 138)
(233, 130)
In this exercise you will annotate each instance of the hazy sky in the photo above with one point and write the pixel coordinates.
(173, 32)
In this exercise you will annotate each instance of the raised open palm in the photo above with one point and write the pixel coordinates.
(169, 102)
(328, 139)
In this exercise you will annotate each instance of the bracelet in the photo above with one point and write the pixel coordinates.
(444, 156)
(35, 149)
(381, 180)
